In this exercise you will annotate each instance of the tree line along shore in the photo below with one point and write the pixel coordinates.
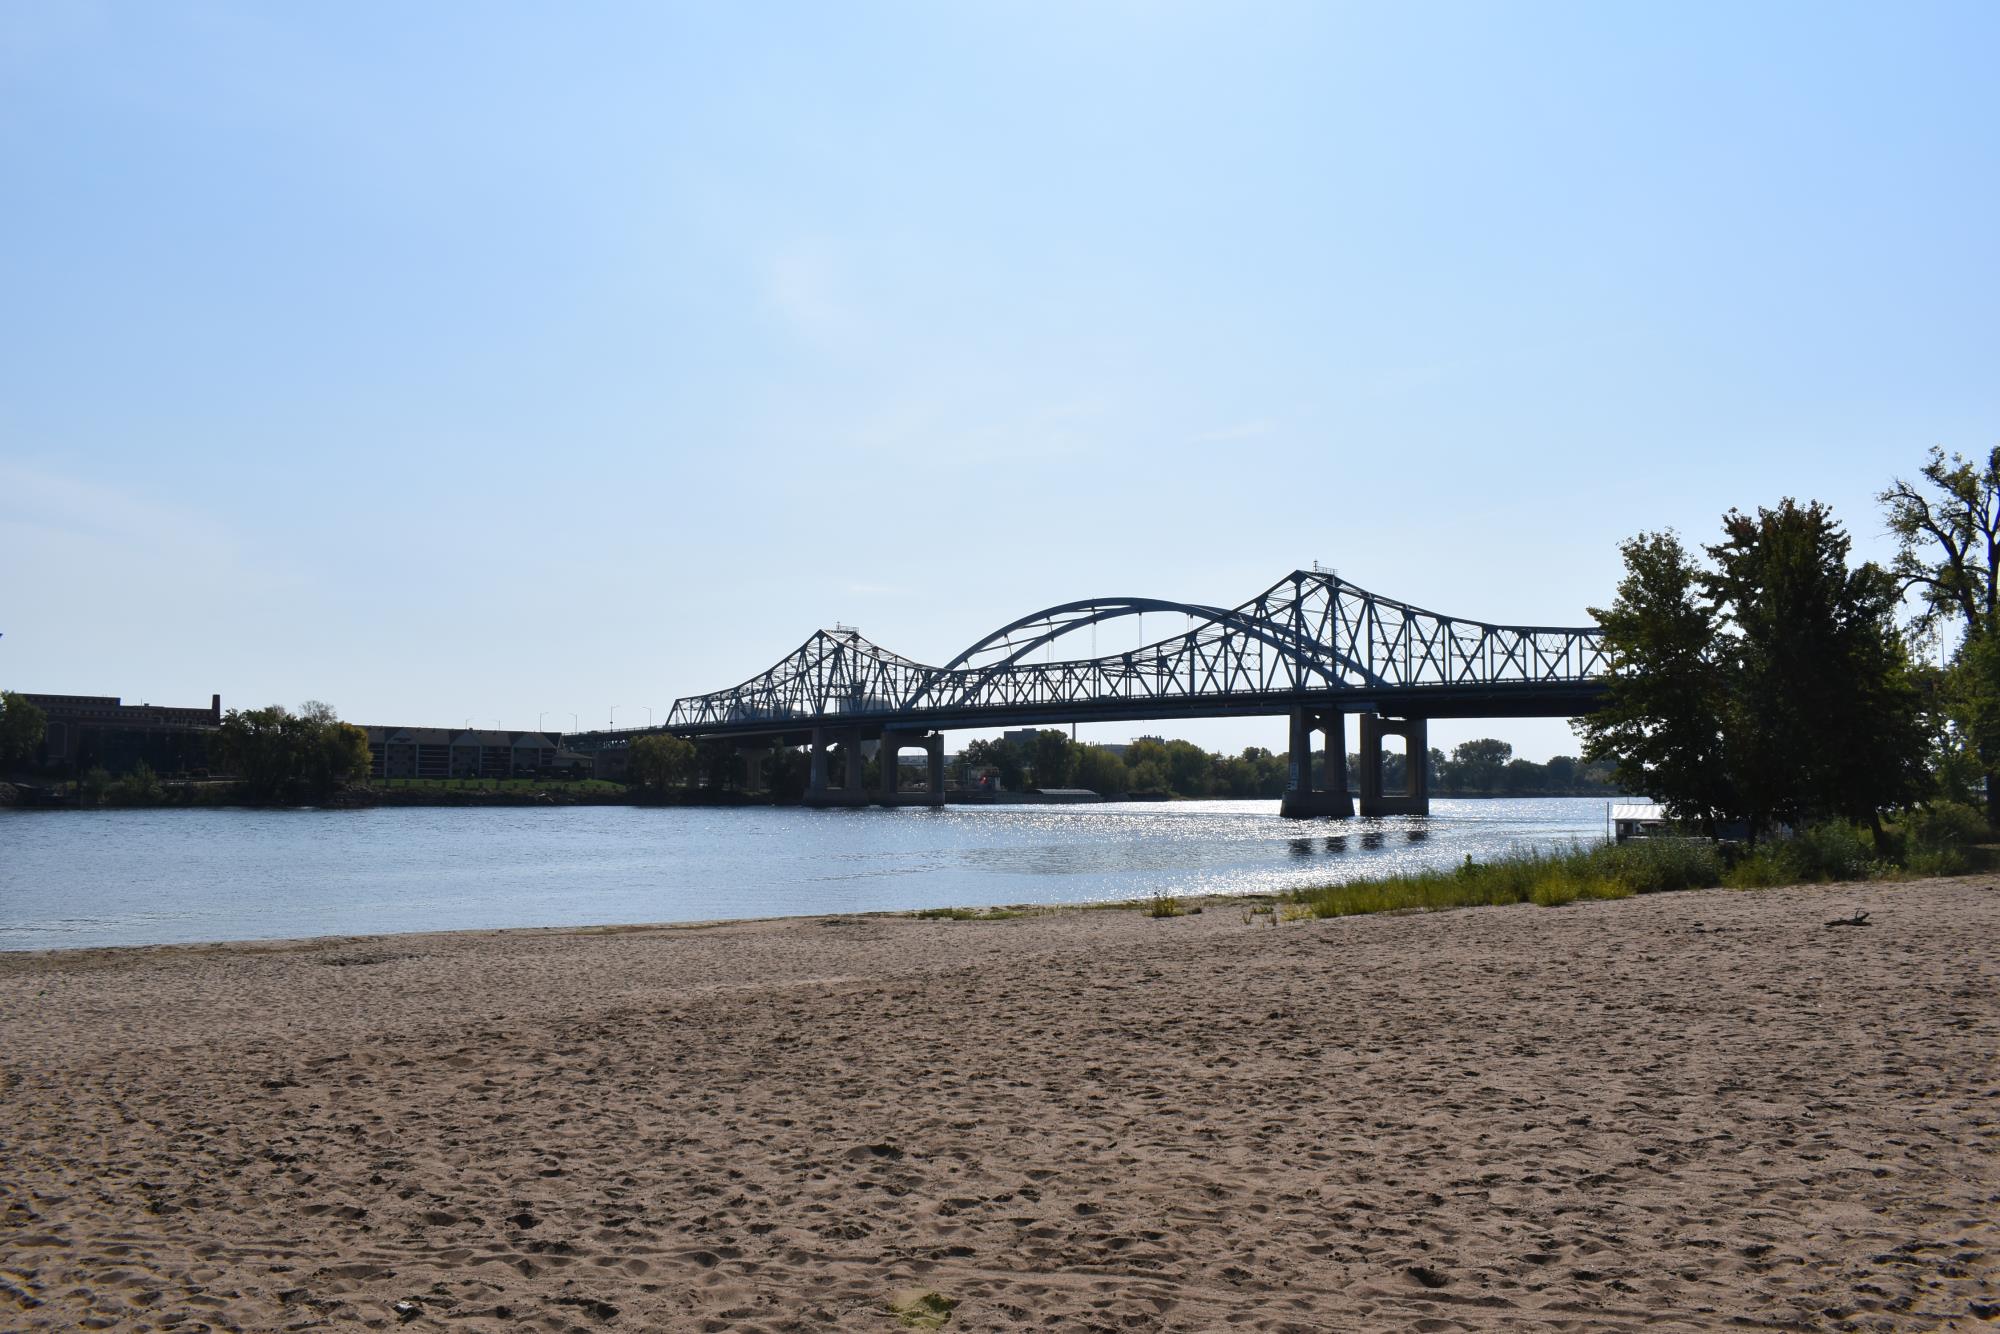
(279, 757)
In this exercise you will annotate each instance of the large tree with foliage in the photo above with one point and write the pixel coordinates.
(1823, 716)
(1947, 529)
(662, 762)
(1051, 757)
(1477, 765)
(1000, 755)
(787, 772)
(1661, 720)
(1773, 685)
(284, 756)
(22, 726)
(1254, 773)
(1100, 770)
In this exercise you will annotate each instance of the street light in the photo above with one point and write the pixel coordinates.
(649, 713)
(614, 717)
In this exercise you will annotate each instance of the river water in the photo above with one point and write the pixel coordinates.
(77, 878)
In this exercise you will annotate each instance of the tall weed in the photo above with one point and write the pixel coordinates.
(1830, 851)
(1550, 879)
(1942, 826)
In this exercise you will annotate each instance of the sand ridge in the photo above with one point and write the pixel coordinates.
(1688, 1111)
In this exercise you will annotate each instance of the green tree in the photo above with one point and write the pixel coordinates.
(331, 753)
(1000, 755)
(1148, 776)
(1947, 530)
(253, 744)
(717, 766)
(786, 773)
(1254, 773)
(140, 787)
(1100, 770)
(660, 763)
(1823, 718)
(1477, 765)
(1190, 769)
(1662, 718)
(22, 726)
(1051, 758)
(285, 756)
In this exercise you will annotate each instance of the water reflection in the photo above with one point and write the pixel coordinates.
(132, 877)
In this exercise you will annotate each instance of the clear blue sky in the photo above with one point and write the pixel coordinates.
(471, 361)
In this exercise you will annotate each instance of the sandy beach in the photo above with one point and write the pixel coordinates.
(1695, 1111)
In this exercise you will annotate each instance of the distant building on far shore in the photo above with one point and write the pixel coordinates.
(102, 731)
(446, 752)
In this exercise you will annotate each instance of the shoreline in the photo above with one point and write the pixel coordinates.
(1700, 1107)
(281, 944)
(1261, 902)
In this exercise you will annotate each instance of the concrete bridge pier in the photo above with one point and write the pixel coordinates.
(816, 757)
(819, 789)
(1416, 800)
(1330, 797)
(753, 766)
(932, 744)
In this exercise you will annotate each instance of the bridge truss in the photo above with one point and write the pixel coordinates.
(1310, 640)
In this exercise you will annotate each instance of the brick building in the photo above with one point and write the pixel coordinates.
(444, 752)
(101, 731)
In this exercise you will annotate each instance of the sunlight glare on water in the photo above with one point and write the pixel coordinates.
(77, 878)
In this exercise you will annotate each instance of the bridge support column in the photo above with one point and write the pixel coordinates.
(1329, 797)
(817, 773)
(1416, 799)
(933, 746)
(855, 792)
(819, 788)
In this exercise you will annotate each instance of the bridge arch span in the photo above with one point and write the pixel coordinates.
(1310, 640)
(1000, 651)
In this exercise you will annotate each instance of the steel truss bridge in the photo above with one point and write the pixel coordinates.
(1310, 646)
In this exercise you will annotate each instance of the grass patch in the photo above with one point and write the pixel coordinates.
(1551, 879)
(1165, 905)
(1940, 838)
(917, 1309)
(1818, 854)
